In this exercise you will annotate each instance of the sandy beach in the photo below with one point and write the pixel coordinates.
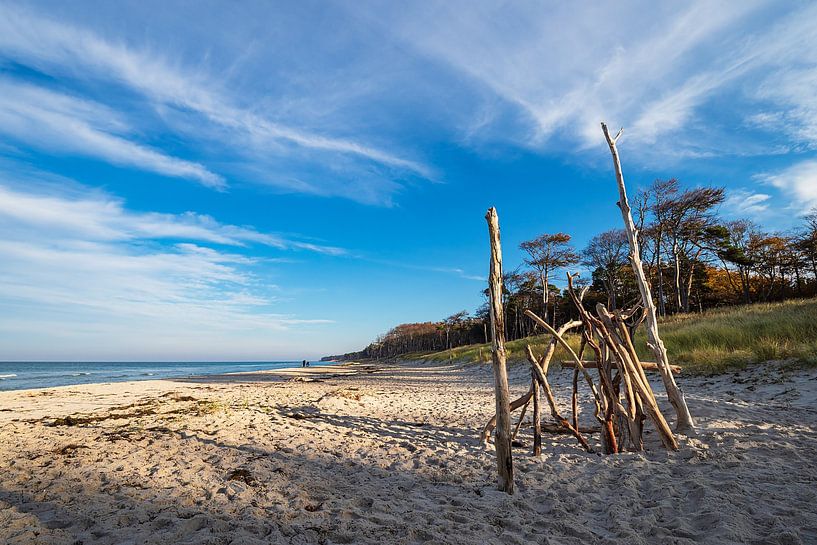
(389, 453)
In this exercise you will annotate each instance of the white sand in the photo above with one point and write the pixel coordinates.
(392, 456)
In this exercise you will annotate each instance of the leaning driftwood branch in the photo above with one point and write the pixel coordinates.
(521, 417)
(576, 358)
(541, 378)
(485, 436)
(544, 361)
(646, 365)
(674, 393)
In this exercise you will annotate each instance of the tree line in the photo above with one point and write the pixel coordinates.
(693, 257)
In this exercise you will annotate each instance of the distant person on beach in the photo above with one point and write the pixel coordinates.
(303, 363)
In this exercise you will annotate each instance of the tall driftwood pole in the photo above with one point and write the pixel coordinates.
(676, 396)
(502, 439)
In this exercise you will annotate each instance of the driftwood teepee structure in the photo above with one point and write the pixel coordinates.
(622, 396)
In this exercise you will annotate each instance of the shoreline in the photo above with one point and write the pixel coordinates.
(35, 402)
(151, 377)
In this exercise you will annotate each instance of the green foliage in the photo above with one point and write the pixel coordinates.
(716, 341)
(514, 349)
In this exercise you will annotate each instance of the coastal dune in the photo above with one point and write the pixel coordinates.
(389, 453)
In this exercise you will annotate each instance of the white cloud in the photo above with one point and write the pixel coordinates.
(798, 182)
(84, 272)
(58, 48)
(45, 119)
(569, 67)
(102, 218)
(741, 202)
(792, 104)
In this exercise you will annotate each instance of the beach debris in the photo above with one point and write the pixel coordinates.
(540, 376)
(488, 429)
(68, 449)
(176, 396)
(69, 421)
(241, 474)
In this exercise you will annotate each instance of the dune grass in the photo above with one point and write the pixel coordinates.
(713, 342)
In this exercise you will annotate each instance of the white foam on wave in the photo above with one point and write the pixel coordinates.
(10, 375)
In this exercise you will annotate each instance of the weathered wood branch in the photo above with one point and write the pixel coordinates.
(519, 422)
(674, 393)
(544, 325)
(544, 362)
(645, 398)
(502, 442)
(548, 427)
(537, 415)
(646, 365)
(485, 437)
(554, 410)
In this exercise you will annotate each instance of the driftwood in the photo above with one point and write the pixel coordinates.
(489, 427)
(550, 427)
(608, 335)
(519, 422)
(612, 409)
(540, 375)
(645, 365)
(537, 414)
(578, 361)
(502, 441)
(485, 436)
(574, 399)
(676, 396)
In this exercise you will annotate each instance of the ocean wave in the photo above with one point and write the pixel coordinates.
(10, 375)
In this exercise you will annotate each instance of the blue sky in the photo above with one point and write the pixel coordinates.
(239, 180)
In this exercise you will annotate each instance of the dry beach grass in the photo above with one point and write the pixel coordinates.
(390, 454)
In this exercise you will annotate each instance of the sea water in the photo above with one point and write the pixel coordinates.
(24, 375)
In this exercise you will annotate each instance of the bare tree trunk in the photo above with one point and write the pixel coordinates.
(676, 263)
(744, 281)
(684, 420)
(662, 304)
(688, 283)
(545, 294)
(502, 440)
(813, 266)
